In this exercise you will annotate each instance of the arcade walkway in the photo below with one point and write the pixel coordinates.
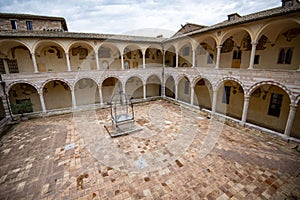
(179, 154)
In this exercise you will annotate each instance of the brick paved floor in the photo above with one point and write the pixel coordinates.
(179, 154)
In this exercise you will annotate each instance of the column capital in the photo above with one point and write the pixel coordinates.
(219, 46)
(293, 106)
(254, 43)
(246, 97)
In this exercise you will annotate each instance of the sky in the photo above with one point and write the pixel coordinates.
(136, 17)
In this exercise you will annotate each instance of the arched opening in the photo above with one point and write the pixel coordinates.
(153, 57)
(184, 90)
(86, 92)
(170, 87)
(57, 95)
(296, 125)
(205, 53)
(230, 99)
(133, 57)
(153, 86)
(50, 57)
(15, 58)
(134, 87)
(2, 110)
(203, 94)
(82, 57)
(185, 56)
(236, 49)
(269, 107)
(24, 92)
(280, 46)
(110, 86)
(170, 57)
(109, 57)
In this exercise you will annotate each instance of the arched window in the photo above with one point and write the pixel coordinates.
(281, 56)
(288, 56)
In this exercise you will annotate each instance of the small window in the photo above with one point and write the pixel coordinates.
(256, 59)
(226, 94)
(275, 105)
(210, 59)
(29, 25)
(14, 24)
(186, 87)
(285, 56)
(186, 51)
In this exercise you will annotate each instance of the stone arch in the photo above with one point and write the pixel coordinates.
(269, 24)
(297, 100)
(135, 75)
(231, 31)
(134, 86)
(257, 85)
(269, 105)
(170, 86)
(21, 91)
(50, 56)
(23, 81)
(82, 55)
(202, 92)
(153, 56)
(222, 80)
(85, 77)
(17, 41)
(79, 41)
(18, 54)
(230, 97)
(153, 86)
(197, 78)
(86, 91)
(109, 56)
(57, 95)
(184, 88)
(56, 79)
(111, 85)
(39, 42)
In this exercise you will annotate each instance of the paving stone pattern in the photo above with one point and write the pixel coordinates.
(178, 154)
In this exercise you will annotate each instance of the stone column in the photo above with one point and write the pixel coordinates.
(177, 59)
(144, 60)
(100, 96)
(214, 104)
(219, 47)
(192, 95)
(122, 61)
(194, 58)
(245, 109)
(253, 50)
(35, 68)
(290, 120)
(144, 91)
(97, 61)
(42, 101)
(123, 88)
(163, 90)
(73, 98)
(68, 62)
(176, 92)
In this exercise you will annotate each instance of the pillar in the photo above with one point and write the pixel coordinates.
(245, 109)
(73, 98)
(100, 95)
(144, 59)
(122, 61)
(97, 61)
(253, 50)
(68, 62)
(194, 58)
(214, 104)
(144, 91)
(290, 120)
(42, 101)
(219, 47)
(176, 91)
(35, 68)
(123, 88)
(177, 59)
(192, 95)
(163, 89)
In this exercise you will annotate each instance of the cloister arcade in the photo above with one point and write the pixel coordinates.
(224, 71)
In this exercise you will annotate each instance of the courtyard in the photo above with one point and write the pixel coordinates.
(180, 153)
